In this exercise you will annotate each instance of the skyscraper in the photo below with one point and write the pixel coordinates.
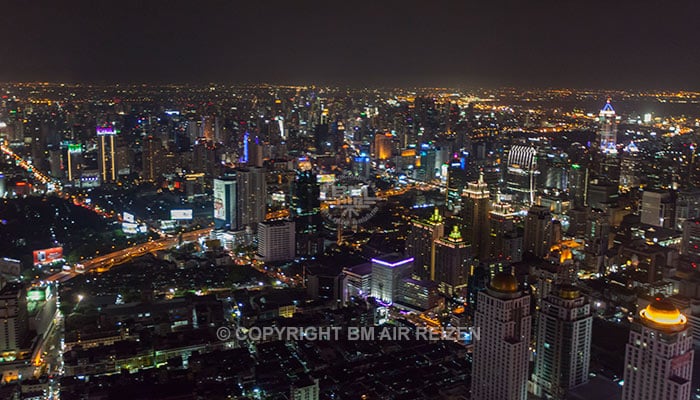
(106, 145)
(659, 357)
(226, 203)
(420, 243)
(452, 263)
(538, 231)
(152, 158)
(608, 129)
(659, 208)
(252, 195)
(563, 343)
(475, 216)
(500, 366)
(521, 173)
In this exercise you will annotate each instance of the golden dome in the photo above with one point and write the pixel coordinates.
(663, 313)
(504, 282)
(569, 292)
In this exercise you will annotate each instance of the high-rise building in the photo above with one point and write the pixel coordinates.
(13, 318)
(226, 203)
(382, 146)
(500, 367)
(608, 129)
(659, 356)
(659, 208)
(505, 242)
(538, 231)
(452, 264)
(106, 146)
(563, 343)
(276, 241)
(388, 271)
(476, 202)
(152, 159)
(597, 239)
(420, 243)
(578, 185)
(521, 173)
(252, 195)
(690, 244)
(74, 162)
(305, 389)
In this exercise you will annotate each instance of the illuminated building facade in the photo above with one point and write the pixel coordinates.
(388, 272)
(106, 145)
(659, 356)
(500, 367)
(521, 173)
(608, 129)
(476, 202)
(452, 263)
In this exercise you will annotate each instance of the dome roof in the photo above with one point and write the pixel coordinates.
(662, 313)
(504, 282)
(569, 292)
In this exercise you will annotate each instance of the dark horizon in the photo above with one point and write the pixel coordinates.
(625, 45)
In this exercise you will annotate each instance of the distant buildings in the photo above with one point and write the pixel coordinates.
(659, 356)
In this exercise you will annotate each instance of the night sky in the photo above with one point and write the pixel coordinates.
(462, 43)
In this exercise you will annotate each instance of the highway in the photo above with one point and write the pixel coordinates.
(105, 262)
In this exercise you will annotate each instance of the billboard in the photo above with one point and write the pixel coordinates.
(180, 214)
(48, 256)
(130, 228)
(325, 178)
(128, 217)
(106, 130)
(38, 293)
(219, 199)
(75, 148)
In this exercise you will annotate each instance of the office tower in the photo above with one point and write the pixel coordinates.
(521, 173)
(659, 356)
(382, 146)
(13, 317)
(420, 243)
(452, 264)
(630, 168)
(358, 281)
(601, 195)
(500, 367)
(106, 146)
(659, 208)
(152, 159)
(276, 240)
(417, 294)
(388, 271)
(252, 195)
(563, 343)
(608, 129)
(505, 242)
(538, 231)
(597, 239)
(578, 185)
(690, 244)
(475, 216)
(687, 206)
(226, 203)
(74, 161)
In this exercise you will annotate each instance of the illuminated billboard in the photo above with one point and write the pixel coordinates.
(180, 214)
(48, 256)
(325, 178)
(75, 148)
(38, 293)
(106, 130)
(130, 228)
(128, 217)
(220, 199)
